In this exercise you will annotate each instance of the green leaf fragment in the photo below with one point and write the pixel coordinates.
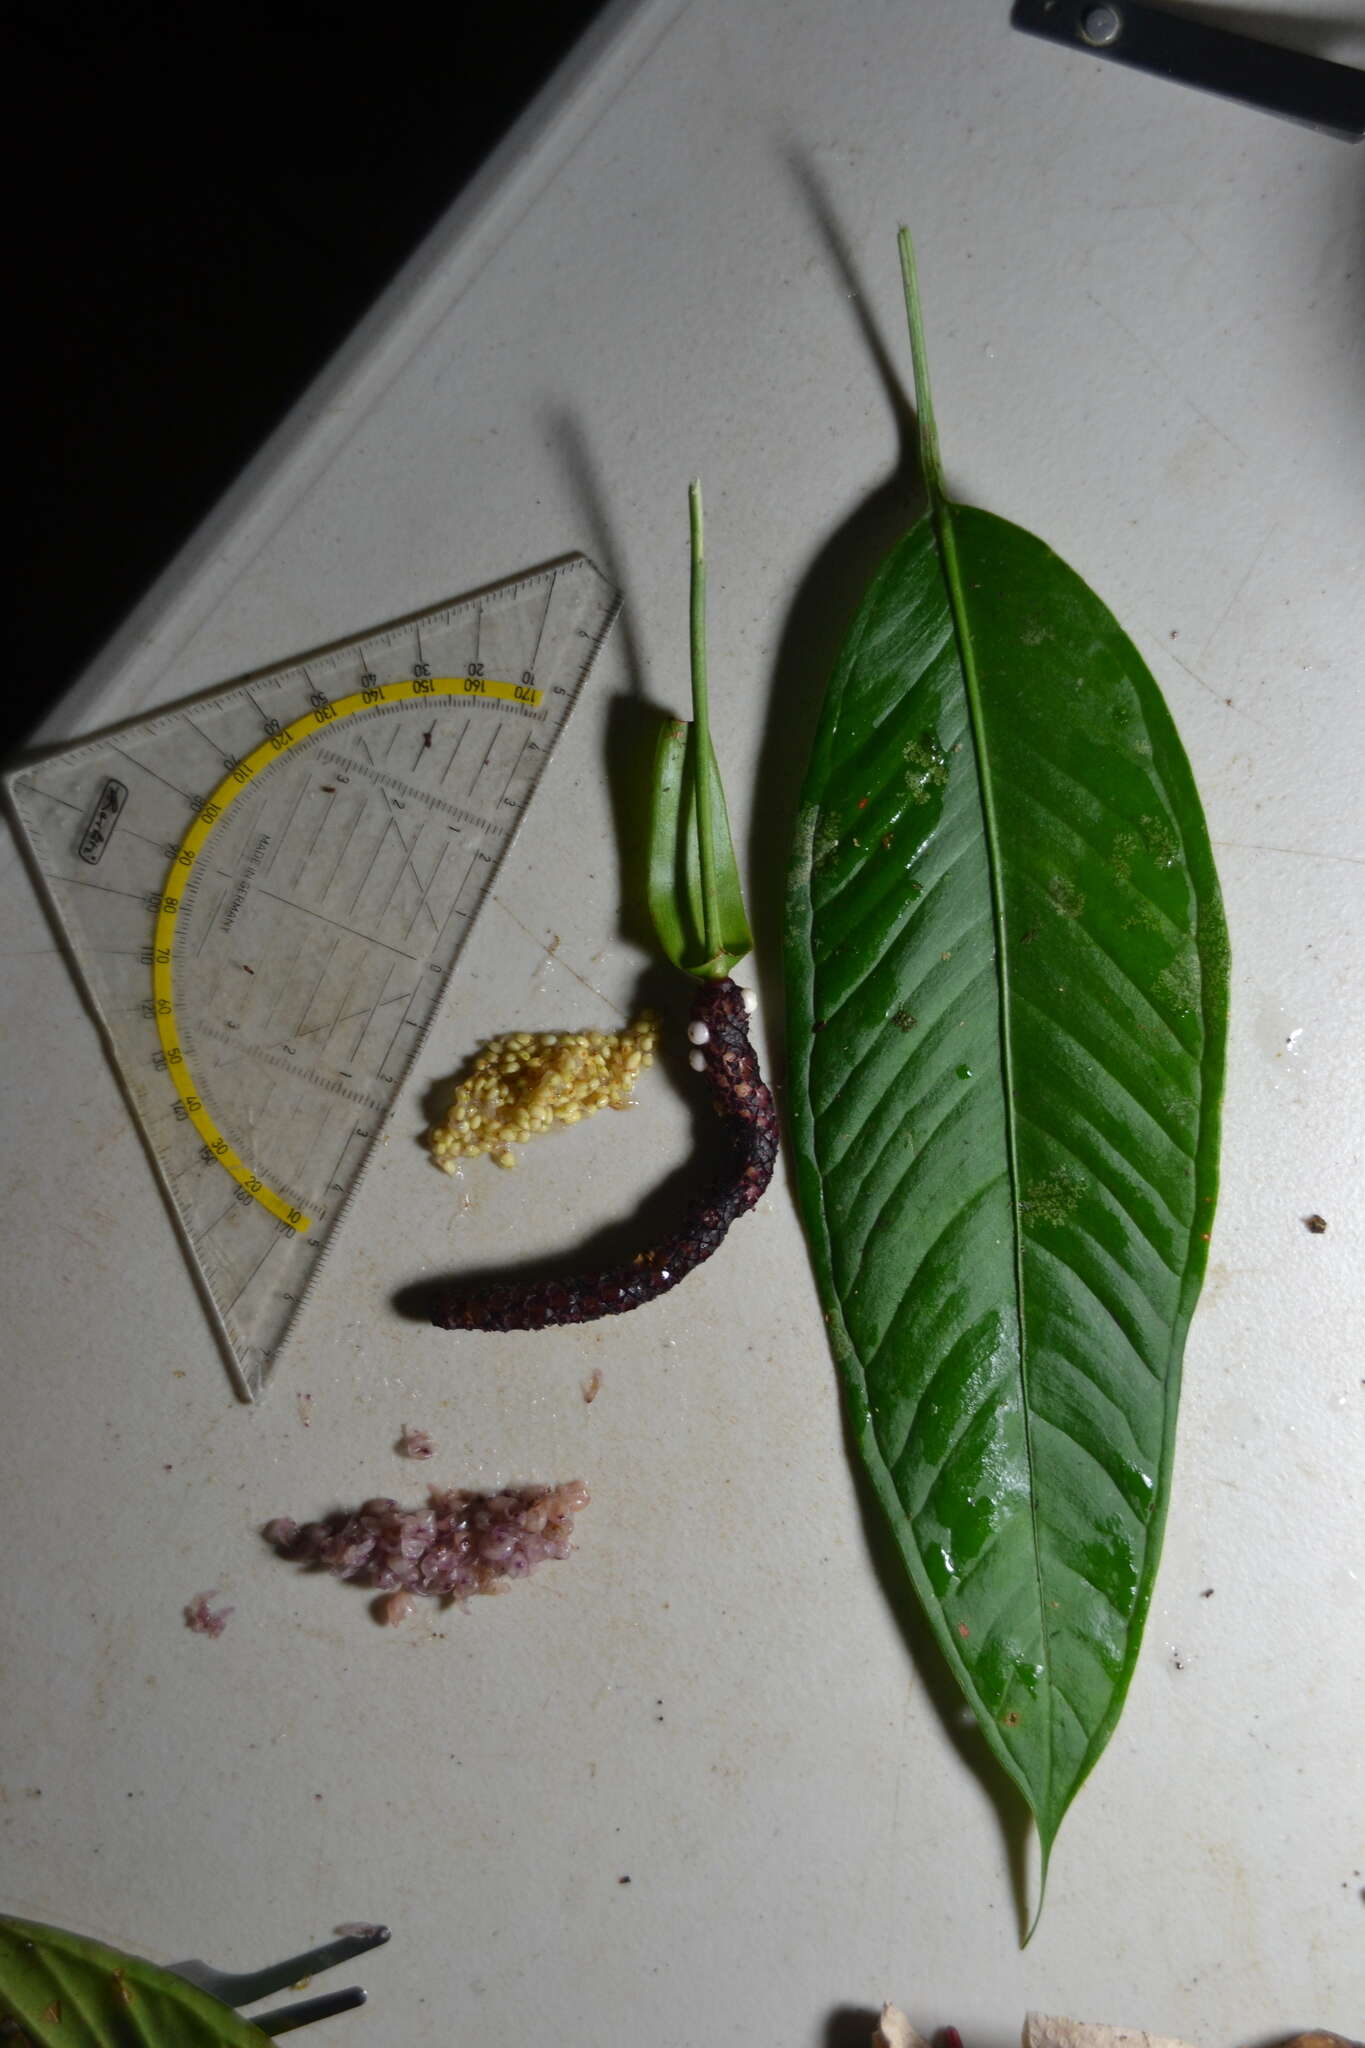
(1007, 987)
(64, 1991)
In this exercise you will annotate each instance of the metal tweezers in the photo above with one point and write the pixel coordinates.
(244, 1987)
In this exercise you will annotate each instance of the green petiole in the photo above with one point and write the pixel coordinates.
(919, 359)
(701, 729)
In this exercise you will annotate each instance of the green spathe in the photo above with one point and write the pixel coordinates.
(693, 886)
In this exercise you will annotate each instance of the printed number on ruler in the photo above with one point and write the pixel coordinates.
(196, 841)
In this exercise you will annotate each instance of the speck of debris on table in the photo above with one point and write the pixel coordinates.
(1316, 1224)
(205, 1620)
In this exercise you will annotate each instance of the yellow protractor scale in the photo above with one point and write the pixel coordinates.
(196, 840)
(267, 890)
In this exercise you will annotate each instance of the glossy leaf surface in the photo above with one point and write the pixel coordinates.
(1007, 975)
(62, 1989)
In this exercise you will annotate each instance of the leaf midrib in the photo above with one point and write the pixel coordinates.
(941, 514)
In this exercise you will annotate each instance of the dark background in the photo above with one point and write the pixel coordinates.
(201, 207)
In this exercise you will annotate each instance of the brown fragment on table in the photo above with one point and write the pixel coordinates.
(1044, 2030)
(1316, 1224)
(1319, 2039)
(592, 1385)
(893, 2030)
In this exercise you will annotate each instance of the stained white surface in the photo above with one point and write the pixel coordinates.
(1147, 322)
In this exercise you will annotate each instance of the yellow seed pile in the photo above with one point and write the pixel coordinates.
(528, 1081)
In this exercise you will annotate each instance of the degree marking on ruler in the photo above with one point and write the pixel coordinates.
(182, 873)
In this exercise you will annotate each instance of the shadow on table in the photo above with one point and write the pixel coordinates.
(633, 720)
(849, 2026)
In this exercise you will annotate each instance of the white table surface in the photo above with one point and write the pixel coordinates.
(1147, 321)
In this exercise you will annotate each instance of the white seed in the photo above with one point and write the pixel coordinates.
(750, 996)
(697, 1062)
(699, 1034)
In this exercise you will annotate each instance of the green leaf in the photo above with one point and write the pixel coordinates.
(1007, 985)
(674, 876)
(693, 878)
(67, 1992)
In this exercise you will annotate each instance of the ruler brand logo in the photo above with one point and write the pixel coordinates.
(254, 860)
(99, 826)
